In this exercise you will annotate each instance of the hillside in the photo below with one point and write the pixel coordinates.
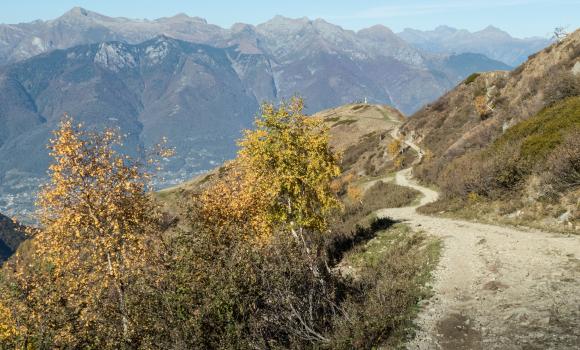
(11, 235)
(359, 132)
(497, 136)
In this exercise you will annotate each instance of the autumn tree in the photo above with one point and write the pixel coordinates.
(9, 332)
(395, 150)
(97, 226)
(482, 106)
(255, 255)
(289, 160)
(394, 147)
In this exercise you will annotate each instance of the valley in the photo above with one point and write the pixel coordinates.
(197, 84)
(173, 184)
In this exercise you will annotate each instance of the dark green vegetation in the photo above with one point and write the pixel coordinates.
(470, 79)
(530, 147)
(542, 133)
(537, 158)
(11, 235)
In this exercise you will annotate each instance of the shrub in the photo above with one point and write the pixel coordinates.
(389, 285)
(503, 167)
(562, 86)
(543, 132)
(484, 173)
(480, 103)
(563, 166)
(470, 79)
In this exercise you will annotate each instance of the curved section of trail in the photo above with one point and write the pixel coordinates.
(496, 287)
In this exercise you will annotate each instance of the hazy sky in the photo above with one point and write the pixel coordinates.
(518, 17)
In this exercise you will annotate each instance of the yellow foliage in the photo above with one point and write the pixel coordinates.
(236, 201)
(399, 163)
(97, 222)
(289, 163)
(8, 330)
(481, 107)
(394, 147)
(428, 155)
(473, 197)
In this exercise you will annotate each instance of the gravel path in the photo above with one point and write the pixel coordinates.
(496, 287)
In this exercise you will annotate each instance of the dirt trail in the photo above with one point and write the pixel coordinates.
(496, 287)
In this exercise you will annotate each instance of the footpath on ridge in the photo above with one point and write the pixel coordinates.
(495, 287)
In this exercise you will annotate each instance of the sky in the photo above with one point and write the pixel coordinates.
(521, 18)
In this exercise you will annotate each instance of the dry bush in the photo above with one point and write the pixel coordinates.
(480, 104)
(368, 143)
(354, 193)
(560, 86)
(389, 285)
(491, 173)
(442, 205)
(388, 195)
(562, 172)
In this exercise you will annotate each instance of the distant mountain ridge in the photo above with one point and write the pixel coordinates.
(490, 41)
(195, 83)
(190, 93)
(80, 26)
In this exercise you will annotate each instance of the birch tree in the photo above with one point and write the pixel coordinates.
(97, 222)
(288, 156)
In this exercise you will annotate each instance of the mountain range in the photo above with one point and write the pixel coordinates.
(80, 26)
(490, 41)
(195, 83)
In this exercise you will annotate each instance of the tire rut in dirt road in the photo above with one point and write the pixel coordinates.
(496, 287)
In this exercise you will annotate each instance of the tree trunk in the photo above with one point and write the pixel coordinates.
(122, 304)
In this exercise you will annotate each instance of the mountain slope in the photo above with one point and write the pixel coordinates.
(189, 93)
(11, 235)
(452, 123)
(199, 93)
(329, 65)
(491, 41)
(504, 145)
